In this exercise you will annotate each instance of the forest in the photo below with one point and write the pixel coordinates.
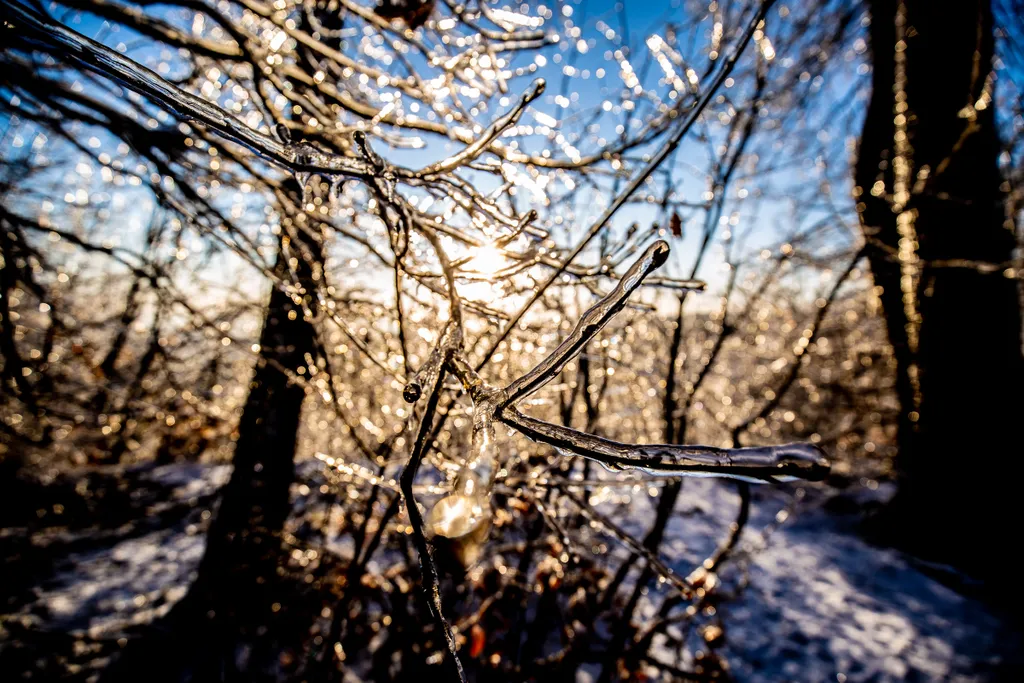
(466, 340)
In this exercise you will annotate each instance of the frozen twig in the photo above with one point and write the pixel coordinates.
(431, 582)
(489, 135)
(755, 463)
(623, 197)
(759, 463)
(296, 157)
(589, 324)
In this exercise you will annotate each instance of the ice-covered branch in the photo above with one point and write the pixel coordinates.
(623, 197)
(489, 135)
(431, 581)
(761, 463)
(756, 463)
(589, 324)
(295, 157)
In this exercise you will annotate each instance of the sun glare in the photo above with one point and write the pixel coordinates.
(488, 260)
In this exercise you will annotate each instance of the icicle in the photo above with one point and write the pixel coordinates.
(306, 155)
(609, 466)
(334, 194)
(302, 177)
(463, 519)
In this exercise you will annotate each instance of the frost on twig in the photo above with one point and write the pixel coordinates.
(804, 461)
(434, 255)
(463, 513)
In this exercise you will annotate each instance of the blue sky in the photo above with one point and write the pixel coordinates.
(626, 28)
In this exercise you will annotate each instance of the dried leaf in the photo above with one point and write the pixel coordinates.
(675, 223)
(477, 640)
(413, 12)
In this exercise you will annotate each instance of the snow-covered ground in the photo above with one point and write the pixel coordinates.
(824, 605)
(821, 605)
(103, 590)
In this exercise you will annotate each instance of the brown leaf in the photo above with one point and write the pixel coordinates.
(675, 223)
(413, 12)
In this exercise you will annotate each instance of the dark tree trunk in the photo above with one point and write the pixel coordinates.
(957, 345)
(228, 626)
(242, 543)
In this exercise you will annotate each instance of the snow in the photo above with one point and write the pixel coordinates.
(856, 613)
(132, 582)
(104, 590)
(821, 605)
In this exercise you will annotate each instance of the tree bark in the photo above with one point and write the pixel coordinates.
(242, 541)
(231, 622)
(957, 343)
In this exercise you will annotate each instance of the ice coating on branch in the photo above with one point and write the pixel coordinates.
(464, 517)
(428, 373)
(302, 178)
(788, 462)
(589, 324)
(306, 155)
(334, 195)
(755, 464)
(489, 135)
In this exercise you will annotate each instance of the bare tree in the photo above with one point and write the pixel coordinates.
(941, 244)
(453, 283)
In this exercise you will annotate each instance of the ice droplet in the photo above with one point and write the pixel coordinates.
(613, 468)
(334, 196)
(302, 177)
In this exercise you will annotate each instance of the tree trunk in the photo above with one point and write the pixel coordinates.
(953, 317)
(228, 623)
(242, 543)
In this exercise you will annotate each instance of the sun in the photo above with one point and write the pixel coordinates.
(488, 260)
